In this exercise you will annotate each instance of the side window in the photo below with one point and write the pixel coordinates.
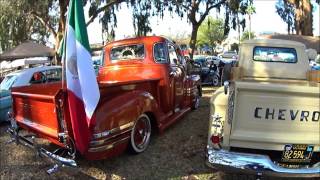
(275, 54)
(53, 75)
(38, 77)
(173, 56)
(50, 75)
(159, 53)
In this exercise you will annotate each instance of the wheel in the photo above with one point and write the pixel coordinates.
(215, 80)
(196, 102)
(140, 134)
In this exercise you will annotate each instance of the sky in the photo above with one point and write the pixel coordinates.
(264, 20)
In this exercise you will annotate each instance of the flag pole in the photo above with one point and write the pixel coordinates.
(64, 57)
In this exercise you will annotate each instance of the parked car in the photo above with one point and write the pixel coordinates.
(210, 74)
(96, 60)
(144, 88)
(201, 60)
(216, 60)
(25, 77)
(213, 69)
(265, 120)
(229, 55)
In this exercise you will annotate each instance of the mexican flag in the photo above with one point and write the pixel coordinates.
(82, 86)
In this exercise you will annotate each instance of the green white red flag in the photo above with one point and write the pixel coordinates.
(82, 86)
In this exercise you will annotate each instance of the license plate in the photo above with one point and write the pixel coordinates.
(297, 153)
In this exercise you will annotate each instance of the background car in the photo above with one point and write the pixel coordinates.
(229, 55)
(200, 60)
(43, 74)
(209, 74)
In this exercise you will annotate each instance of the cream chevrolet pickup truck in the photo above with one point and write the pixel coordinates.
(265, 120)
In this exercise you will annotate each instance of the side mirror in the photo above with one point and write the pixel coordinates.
(226, 87)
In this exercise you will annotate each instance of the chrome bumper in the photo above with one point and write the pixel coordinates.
(23, 140)
(256, 164)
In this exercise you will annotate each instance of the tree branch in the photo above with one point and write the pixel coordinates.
(181, 5)
(103, 8)
(208, 8)
(44, 22)
(218, 4)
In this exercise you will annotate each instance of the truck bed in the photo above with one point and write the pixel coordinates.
(35, 108)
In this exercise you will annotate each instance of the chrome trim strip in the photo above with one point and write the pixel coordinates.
(108, 146)
(256, 163)
(103, 141)
(112, 131)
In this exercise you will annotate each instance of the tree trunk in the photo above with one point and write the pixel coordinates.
(61, 29)
(303, 17)
(62, 22)
(193, 39)
(238, 27)
(289, 27)
(249, 26)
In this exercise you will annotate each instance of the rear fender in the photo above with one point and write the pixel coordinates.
(124, 109)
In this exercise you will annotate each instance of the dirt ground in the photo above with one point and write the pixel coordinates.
(179, 153)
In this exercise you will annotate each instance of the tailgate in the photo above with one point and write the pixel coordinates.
(268, 116)
(34, 108)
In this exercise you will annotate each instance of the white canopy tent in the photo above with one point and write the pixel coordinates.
(24, 62)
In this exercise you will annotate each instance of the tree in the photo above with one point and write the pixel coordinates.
(247, 35)
(250, 10)
(141, 14)
(211, 32)
(302, 12)
(286, 12)
(234, 47)
(235, 15)
(197, 10)
(17, 26)
(195, 14)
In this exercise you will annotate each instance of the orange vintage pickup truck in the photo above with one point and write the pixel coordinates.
(144, 88)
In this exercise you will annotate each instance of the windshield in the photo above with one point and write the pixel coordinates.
(7, 82)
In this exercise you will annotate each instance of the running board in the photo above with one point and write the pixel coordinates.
(175, 117)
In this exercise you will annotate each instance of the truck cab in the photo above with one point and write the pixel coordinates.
(265, 120)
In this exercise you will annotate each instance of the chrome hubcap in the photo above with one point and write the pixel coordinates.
(141, 134)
